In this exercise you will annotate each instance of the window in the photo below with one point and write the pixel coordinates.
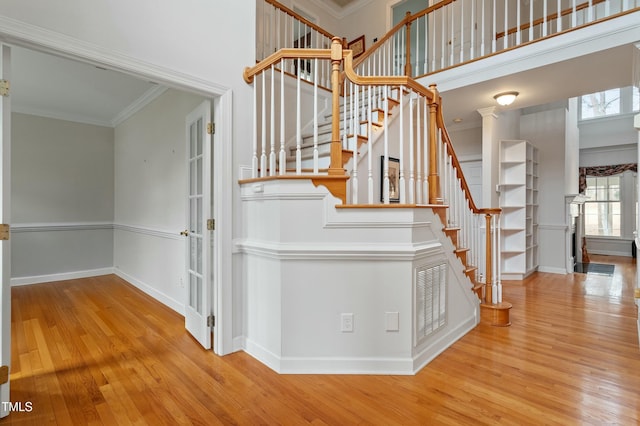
(625, 100)
(604, 207)
(601, 104)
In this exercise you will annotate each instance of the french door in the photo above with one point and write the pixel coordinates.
(199, 231)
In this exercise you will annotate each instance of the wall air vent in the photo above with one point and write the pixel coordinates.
(430, 290)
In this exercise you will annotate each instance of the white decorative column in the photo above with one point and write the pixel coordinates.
(489, 157)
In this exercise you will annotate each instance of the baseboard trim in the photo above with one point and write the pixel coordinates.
(435, 348)
(552, 270)
(38, 279)
(262, 354)
(146, 288)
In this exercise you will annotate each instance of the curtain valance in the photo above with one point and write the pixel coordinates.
(603, 171)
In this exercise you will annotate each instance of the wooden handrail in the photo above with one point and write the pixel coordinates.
(290, 12)
(550, 17)
(457, 166)
(250, 72)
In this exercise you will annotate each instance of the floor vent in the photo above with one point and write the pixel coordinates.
(430, 301)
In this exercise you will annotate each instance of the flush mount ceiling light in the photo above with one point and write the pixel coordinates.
(506, 98)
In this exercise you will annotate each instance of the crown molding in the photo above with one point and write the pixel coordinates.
(57, 115)
(144, 100)
(44, 40)
(338, 12)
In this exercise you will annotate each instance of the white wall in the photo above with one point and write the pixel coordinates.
(62, 198)
(150, 197)
(546, 130)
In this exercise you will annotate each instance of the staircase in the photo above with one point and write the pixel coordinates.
(359, 136)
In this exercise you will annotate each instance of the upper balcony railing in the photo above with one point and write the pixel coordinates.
(453, 32)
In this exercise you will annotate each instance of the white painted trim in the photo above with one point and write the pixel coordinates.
(611, 252)
(223, 179)
(42, 39)
(356, 365)
(338, 12)
(435, 348)
(359, 365)
(262, 354)
(552, 270)
(348, 251)
(553, 226)
(59, 115)
(137, 105)
(146, 288)
(60, 226)
(37, 279)
(154, 232)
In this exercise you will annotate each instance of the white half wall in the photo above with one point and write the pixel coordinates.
(307, 263)
(62, 199)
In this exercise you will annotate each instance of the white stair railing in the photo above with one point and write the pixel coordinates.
(279, 27)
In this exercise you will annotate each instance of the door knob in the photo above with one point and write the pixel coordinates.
(185, 233)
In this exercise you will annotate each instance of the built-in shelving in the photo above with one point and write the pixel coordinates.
(519, 203)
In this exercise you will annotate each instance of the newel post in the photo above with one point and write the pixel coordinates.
(435, 196)
(336, 166)
(488, 294)
(407, 65)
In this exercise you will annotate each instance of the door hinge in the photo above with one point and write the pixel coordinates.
(211, 321)
(4, 87)
(211, 224)
(5, 231)
(211, 128)
(4, 374)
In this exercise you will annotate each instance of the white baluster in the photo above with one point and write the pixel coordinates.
(403, 194)
(254, 156)
(559, 9)
(545, 13)
(354, 166)
(370, 148)
(434, 38)
(425, 148)
(494, 41)
(412, 182)
(472, 53)
(417, 59)
(518, 33)
(298, 122)
(443, 53)
(426, 46)
(531, 19)
(574, 15)
(385, 185)
(482, 26)
(451, 10)
(263, 137)
(283, 154)
(315, 116)
(419, 145)
(462, 31)
(272, 153)
(505, 43)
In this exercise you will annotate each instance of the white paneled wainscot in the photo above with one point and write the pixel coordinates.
(347, 290)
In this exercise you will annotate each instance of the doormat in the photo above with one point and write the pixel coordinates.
(595, 268)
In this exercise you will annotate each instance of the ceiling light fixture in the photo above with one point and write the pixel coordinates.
(506, 98)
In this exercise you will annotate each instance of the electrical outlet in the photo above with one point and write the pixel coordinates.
(346, 323)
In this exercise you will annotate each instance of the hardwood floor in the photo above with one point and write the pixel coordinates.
(98, 351)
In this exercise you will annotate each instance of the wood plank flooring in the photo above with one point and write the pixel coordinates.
(98, 351)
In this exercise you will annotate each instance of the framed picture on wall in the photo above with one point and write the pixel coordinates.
(357, 46)
(394, 179)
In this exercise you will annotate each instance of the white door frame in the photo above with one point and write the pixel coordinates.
(5, 217)
(57, 44)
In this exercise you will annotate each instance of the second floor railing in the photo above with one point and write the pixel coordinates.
(453, 32)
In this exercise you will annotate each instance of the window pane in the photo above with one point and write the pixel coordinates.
(600, 104)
